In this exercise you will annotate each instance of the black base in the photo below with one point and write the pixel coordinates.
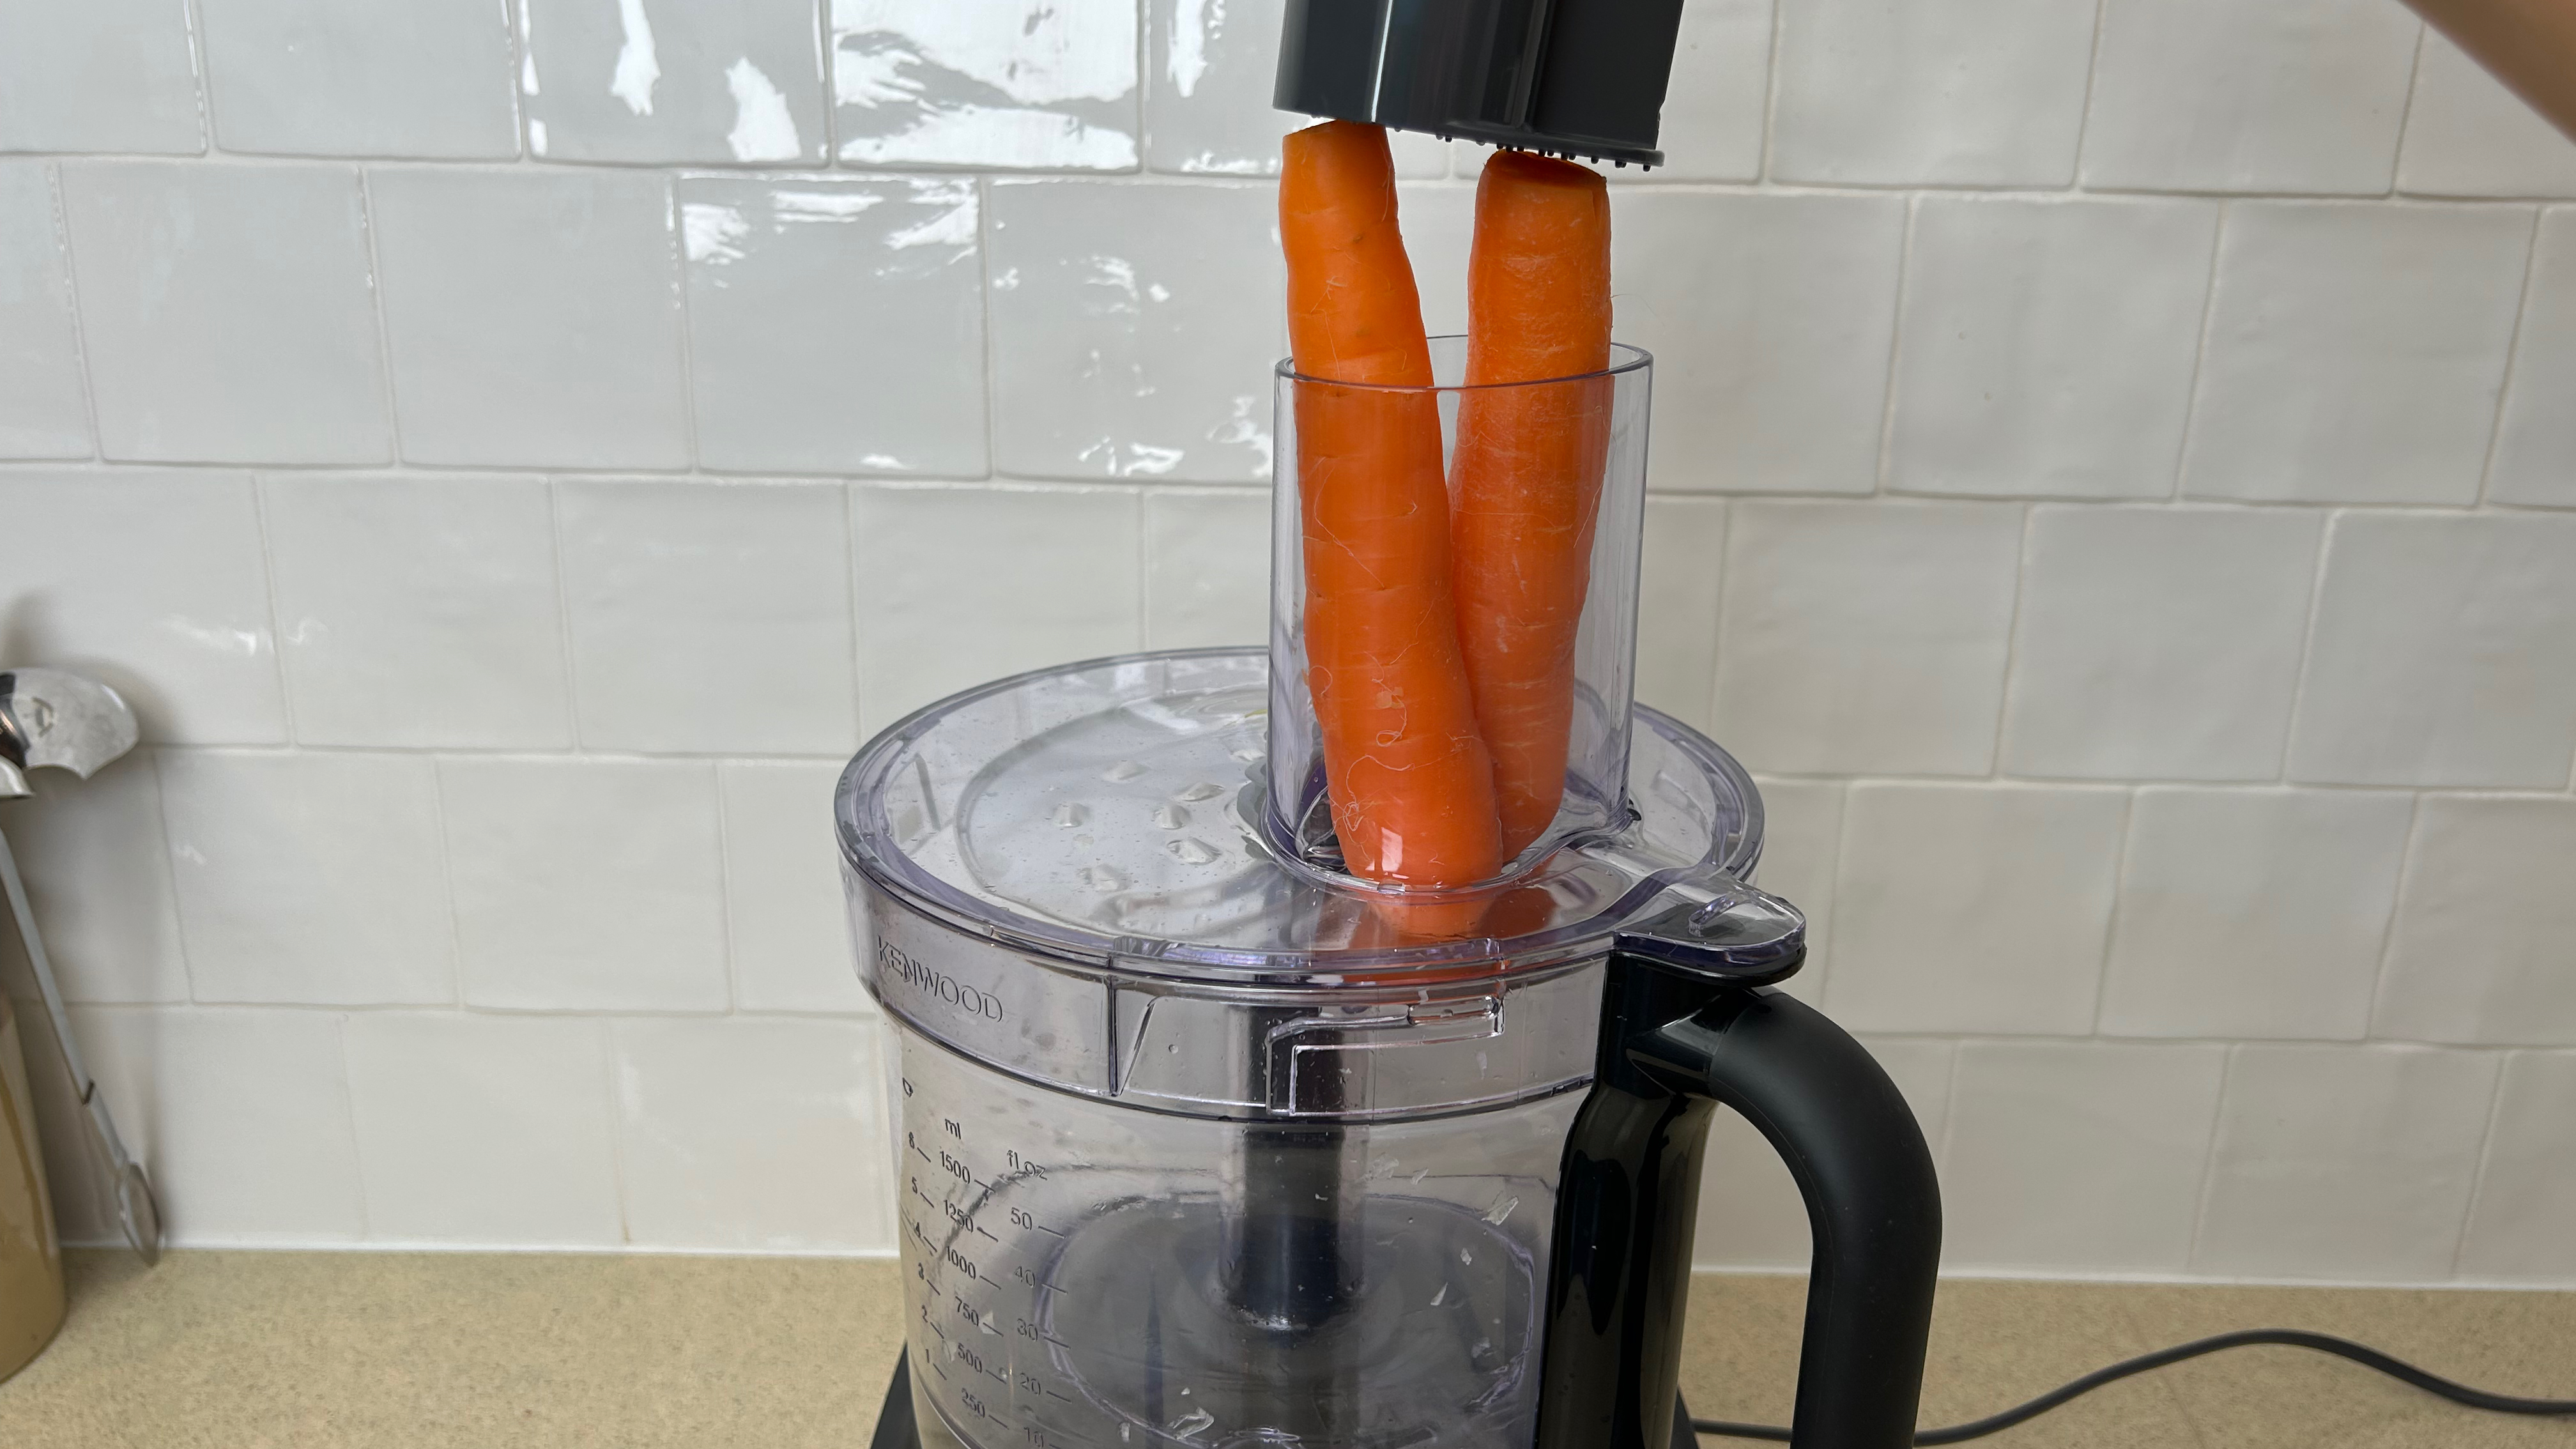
(895, 1426)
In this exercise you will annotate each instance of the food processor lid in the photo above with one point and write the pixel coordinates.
(1110, 813)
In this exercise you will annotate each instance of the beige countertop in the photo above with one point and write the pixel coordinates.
(268, 1350)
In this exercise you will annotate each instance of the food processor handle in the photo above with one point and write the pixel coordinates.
(1672, 1045)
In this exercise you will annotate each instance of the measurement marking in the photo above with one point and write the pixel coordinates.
(925, 1197)
(1058, 1342)
(917, 1152)
(1052, 1394)
(979, 1227)
(933, 1327)
(1050, 1232)
(997, 1378)
(935, 1368)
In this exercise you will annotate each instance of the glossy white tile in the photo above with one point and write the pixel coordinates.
(2535, 450)
(484, 1131)
(2480, 951)
(97, 873)
(836, 326)
(2002, 382)
(2076, 1156)
(2158, 642)
(1865, 637)
(783, 909)
(44, 412)
(151, 582)
(1973, 908)
(533, 317)
(2527, 1187)
(228, 313)
(418, 610)
(2253, 913)
(1017, 84)
(1750, 1215)
(1209, 69)
(958, 585)
(1770, 318)
(2466, 135)
(99, 78)
(1207, 567)
(1713, 118)
(1802, 837)
(811, 1173)
(1134, 329)
(1964, 92)
(1439, 222)
(314, 78)
(1682, 563)
(310, 878)
(2344, 1162)
(586, 884)
(708, 618)
(241, 1117)
(2439, 653)
(2207, 95)
(2354, 351)
(656, 81)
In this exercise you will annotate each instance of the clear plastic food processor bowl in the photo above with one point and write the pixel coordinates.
(1199, 1144)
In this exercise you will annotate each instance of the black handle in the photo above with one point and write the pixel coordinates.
(1672, 1045)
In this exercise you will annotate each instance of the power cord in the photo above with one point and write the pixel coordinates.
(2294, 1338)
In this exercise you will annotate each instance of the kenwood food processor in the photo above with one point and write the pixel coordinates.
(1204, 1143)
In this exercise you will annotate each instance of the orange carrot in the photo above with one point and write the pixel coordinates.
(1411, 783)
(1528, 466)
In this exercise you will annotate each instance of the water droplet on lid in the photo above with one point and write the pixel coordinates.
(1249, 754)
(1466, 1257)
(1101, 878)
(1171, 817)
(1191, 1422)
(1501, 1210)
(1193, 851)
(1440, 1297)
(1122, 772)
(1201, 791)
(1070, 814)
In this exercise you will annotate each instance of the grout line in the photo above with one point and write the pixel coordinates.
(2200, 353)
(984, 228)
(447, 883)
(2406, 108)
(2486, 1162)
(1762, 163)
(201, 72)
(349, 1120)
(610, 1052)
(724, 887)
(2012, 643)
(2512, 353)
(62, 223)
(675, 250)
(2092, 75)
(2406, 860)
(152, 756)
(2111, 921)
(1886, 461)
(2307, 646)
(563, 614)
(2209, 1159)
(268, 597)
(365, 177)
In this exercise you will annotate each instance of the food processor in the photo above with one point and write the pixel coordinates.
(1203, 1141)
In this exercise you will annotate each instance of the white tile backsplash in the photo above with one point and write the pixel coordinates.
(90, 852)
(228, 317)
(119, 77)
(586, 884)
(151, 581)
(418, 610)
(44, 412)
(660, 356)
(1958, 92)
(2354, 352)
(750, 1133)
(2344, 1162)
(2466, 135)
(2003, 383)
(533, 317)
(2484, 946)
(1973, 908)
(659, 81)
(2158, 642)
(2527, 1187)
(1134, 330)
(319, 78)
(960, 585)
(686, 599)
(2439, 655)
(784, 914)
(2210, 95)
(1865, 637)
(2076, 1155)
(484, 1129)
(836, 326)
(1770, 318)
(310, 878)
(2253, 913)
(1015, 84)
(2535, 449)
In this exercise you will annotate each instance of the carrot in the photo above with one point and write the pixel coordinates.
(1411, 783)
(1527, 471)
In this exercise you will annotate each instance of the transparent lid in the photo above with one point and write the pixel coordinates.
(1110, 812)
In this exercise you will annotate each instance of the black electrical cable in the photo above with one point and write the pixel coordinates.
(2294, 1338)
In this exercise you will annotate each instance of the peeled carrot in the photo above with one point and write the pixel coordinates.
(1411, 783)
(1527, 471)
